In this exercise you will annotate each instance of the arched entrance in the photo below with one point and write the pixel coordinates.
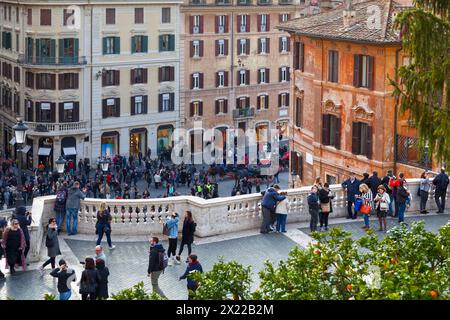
(110, 143)
(164, 138)
(138, 141)
(45, 152)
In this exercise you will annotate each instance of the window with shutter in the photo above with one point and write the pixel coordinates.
(165, 15)
(356, 138)
(298, 112)
(46, 17)
(138, 15)
(29, 16)
(110, 16)
(333, 63)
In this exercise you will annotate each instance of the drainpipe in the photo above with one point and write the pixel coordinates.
(91, 84)
(397, 51)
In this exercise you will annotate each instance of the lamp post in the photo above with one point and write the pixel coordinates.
(104, 163)
(60, 164)
(20, 133)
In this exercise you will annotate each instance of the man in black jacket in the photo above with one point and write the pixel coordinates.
(64, 276)
(155, 265)
(374, 182)
(441, 182)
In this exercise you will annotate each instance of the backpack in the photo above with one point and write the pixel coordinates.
(61, 197)
(165, 229)
(163, 260)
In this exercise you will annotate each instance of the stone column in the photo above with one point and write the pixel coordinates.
(152, 140)
(56, 150)
(124, 142)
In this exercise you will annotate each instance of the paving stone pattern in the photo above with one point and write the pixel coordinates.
(129, 261)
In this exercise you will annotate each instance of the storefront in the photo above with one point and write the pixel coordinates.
(110, 143)
(69, 149)
(45, 152)
(138, 141)
(164, 138)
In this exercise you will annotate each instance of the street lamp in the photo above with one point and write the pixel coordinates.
(104, 164)
(60, 164)
(20, 133)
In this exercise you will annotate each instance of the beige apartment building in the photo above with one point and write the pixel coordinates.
(235, 65)
(90, 78)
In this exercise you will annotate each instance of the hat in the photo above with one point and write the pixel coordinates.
(276, 186)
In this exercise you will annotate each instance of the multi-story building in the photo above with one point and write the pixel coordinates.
(89, 78)
(235, 65)
(344, 117)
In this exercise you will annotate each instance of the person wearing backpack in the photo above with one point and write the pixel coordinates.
(158, 261)
(60, 206)
(52, 244)
(187, 233)
(441, 182)
(172, 228)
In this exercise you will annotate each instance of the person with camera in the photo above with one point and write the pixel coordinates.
(325, 197)
(172, 233)
(103, 225)
(52, 244)
(382, 201)
(64, 276)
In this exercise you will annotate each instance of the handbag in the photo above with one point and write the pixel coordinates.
(48, 242)
(365, 209)
(384, 206)
(325, 207)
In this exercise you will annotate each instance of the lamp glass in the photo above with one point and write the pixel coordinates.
(20, 132)
(105, 165)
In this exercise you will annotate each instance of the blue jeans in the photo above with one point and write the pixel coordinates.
(281, 222)
(401, 212)
(366, 219)
(100, 232)
(391, 205)
(65, 295)
(60, 219)
(72, 213)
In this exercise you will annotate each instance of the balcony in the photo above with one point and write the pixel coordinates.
(52, 61)
(264, 2)
(54, 129)
(243, 113)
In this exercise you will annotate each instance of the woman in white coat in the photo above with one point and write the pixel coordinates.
(281, 214)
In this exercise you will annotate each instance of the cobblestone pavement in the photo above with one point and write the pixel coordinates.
(432, 223)
(129, 261)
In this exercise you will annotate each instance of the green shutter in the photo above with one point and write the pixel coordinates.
(172, 42)
(145, 44)
(52, 50)
(104, 45)
(38, 50)
(75, 49)
(61, 50)
(29, 49)
(117, 45)
(133, 44)
(161, 43)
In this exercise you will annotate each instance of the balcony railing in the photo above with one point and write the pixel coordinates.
(53, 128)
(213, 217)
(53, 61)
(264, 2)
(223, 2)
(243, 113)
(244, 2)
(197, 2)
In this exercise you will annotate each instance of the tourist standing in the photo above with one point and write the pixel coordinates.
(441, 182)
(103, 272)
(64, 276)
(89, 280)
(14, 245)
(172, 227)
(156, 264)
(187, 234)
(193, 266)
(373, 182)
(325, 196)
(60, 205)
(424, 189)
(72, 207)
(281, 212)
(351, 185)
(382, 201)
(402, 197)
(24, 218)
(366, 198)
(3, 225)
(103, 225)
(52, 244)
(313, 204)
(268, 204)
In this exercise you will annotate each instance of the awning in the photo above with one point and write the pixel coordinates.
(12, 141)
(44, 151)
(26, 149)
(71, 151)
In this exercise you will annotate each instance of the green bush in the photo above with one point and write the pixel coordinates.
(137, 292)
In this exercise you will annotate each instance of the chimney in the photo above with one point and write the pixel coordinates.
(348, 14)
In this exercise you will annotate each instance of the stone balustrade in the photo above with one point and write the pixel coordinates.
(214, 217)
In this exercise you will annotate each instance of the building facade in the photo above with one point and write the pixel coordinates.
(235, 65)
(344, 117)
(90, 79)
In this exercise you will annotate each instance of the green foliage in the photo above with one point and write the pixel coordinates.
(137, 292)
(49, 296)
(423, 86)
(225, 278)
